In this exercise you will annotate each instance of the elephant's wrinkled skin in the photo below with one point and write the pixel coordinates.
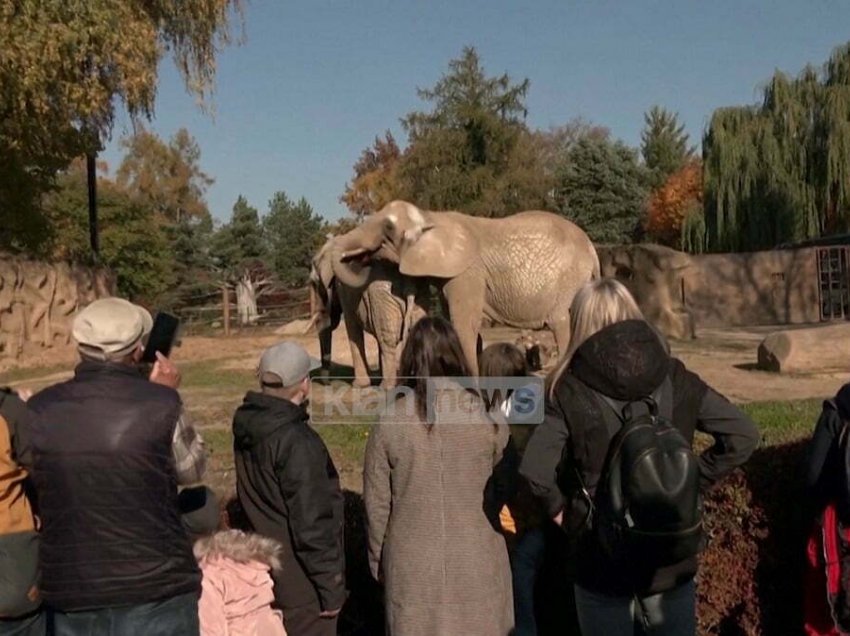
(379, 307)
(521, 271)
(655, 276)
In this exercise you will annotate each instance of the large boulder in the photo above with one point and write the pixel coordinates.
(806, 350)
(295, 328)
(655, 275)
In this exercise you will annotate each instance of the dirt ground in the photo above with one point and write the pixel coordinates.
(725, 358)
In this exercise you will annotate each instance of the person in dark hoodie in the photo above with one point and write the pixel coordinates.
(615, 352)
(289, 490)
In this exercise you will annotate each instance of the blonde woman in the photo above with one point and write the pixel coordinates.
(616, 356)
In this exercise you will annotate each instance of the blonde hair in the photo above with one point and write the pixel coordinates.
(598, 304)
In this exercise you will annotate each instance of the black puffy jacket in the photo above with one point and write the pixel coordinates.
(107, 491)
(289, 489)
(625, 361)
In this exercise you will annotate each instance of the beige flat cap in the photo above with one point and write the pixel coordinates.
(110, 328)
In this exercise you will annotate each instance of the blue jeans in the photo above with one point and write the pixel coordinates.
(671, 613)
(34, 624)
(526, 560)
(176, 616)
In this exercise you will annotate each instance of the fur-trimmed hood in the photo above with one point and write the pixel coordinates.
(239, 546)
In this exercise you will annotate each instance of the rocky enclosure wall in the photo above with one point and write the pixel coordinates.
(38, 301)
(680, 293)
(773, 287)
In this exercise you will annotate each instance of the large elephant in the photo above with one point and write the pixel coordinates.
(522, 270)
(384, 305)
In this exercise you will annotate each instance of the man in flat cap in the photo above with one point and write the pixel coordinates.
(289, 489)
(109, 448)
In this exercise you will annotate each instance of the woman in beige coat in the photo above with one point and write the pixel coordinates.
(435, 477)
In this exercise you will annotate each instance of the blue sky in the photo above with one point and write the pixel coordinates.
(316, 80)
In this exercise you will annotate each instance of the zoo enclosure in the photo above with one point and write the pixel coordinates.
(273, 309)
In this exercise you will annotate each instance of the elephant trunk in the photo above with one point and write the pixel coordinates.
(352, 255)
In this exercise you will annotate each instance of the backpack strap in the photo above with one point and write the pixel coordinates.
(660, 402)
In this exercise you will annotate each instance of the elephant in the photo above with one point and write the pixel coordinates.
(522, 270)
(385, 305)
(655, 275)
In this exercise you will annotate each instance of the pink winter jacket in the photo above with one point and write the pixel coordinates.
(237, 594)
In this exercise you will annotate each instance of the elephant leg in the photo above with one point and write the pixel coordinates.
(465, 297)
(388, 318)
(325, 339)
(358, 352)
(389, 367)
(561, 330)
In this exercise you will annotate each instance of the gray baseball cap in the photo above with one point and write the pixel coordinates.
(288, 361)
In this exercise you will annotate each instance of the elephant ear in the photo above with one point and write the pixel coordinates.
(443, 249)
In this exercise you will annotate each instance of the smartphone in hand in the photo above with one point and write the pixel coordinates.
(162, 337)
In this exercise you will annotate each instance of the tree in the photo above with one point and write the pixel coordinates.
(471, 152)
(165, 177)
(65, 66)
(664, 144)
(602, 187)
(293, 234)
(375, 181)
(133, 245)
(194, 276)
(780, 171)
(340, 226)
(238, 251)
(670, 204)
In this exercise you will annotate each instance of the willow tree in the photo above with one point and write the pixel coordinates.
(66, 65)
(780, 171)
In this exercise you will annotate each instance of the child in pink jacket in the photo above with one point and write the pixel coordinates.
(237, 594)
(236, 591)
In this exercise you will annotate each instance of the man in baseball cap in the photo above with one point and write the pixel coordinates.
(289, 489)
(285, 365)
(114, 427)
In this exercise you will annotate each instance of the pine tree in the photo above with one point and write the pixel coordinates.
(664, 144)
(472, 152)
(293, 233)
(602, 187)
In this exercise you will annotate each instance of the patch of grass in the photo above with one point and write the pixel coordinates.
(782, 422)
(347, 442)
(210, 374)
(22, 375)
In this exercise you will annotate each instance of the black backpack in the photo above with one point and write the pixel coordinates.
(647, 509)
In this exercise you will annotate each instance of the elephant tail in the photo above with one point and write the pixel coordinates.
(596, 274)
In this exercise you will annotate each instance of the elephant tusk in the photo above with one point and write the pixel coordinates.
(310, 324)
(347, 256)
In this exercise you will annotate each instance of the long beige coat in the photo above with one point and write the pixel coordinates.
(431, 501)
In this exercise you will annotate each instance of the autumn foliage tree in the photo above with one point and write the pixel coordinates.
(165, 177)
(670, 204)
(375, 181)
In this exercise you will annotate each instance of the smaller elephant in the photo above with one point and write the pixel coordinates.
(385, 306)
(655, 276)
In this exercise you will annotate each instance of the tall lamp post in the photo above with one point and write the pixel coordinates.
(91, 173)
